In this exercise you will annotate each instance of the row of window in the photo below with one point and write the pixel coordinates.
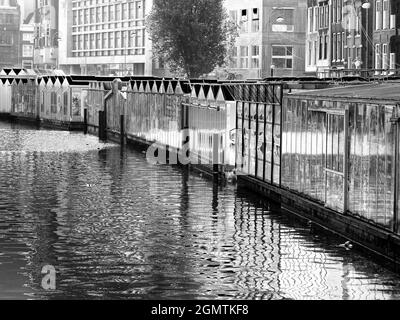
(281, 20)
(7, 18)
(318, 17)
(384, 59)
(282, 57)
(109, 40)
(383, 18)
(109, 13)
(340, 52)
(6, 38)
(240, 57)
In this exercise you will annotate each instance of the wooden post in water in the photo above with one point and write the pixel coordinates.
(215, 157)
(122, 129)
(85, 121)
(102, 128)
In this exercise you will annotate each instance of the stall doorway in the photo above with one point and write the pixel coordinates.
(336, 159)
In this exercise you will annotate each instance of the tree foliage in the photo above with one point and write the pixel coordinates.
(191, 36)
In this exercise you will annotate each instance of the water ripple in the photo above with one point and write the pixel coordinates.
(116, 227)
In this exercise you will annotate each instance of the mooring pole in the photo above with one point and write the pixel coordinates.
(102, 129)
(215, 157)
(122, 129)
(85, 121)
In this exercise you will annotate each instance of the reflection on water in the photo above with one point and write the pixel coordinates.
(115, 227)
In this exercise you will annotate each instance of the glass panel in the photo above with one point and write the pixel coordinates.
(246, 138)
(277, 114)
(269, 113)
(341, 144)
(380, 166)
(366, 164)
(285, 144)
(389, 167)
(335, 141)
(239, 137)
(253, 138)
(261, 141)
(293, 126)
(335, 191)
(268, 152)
(277, 174)
(329, 143)
(303, 147)
(352, 155)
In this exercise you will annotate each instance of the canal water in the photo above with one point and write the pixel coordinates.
(116, 227)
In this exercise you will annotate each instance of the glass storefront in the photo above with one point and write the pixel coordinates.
(258, 150)
(356, 176)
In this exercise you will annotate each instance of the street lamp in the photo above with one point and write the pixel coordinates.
(366, 5)
(279, 20)
(272, 67)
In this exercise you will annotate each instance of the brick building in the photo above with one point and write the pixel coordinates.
(386, 37)
(271, 38)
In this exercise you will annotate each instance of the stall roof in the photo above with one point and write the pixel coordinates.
(374, 91)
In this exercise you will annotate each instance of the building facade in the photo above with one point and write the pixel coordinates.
(318, 38)
(271, 38)
(386, 37)
(27, 32)
(46, 34)
(105, 37)
(9, 34)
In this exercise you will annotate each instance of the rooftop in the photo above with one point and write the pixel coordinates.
(388, 91)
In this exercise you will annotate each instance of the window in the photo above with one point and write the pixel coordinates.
(315, 20)
(28, 37)
(255, 57)
(234, 57)
(244, 57)
(111, 40)
(283, 20)
(92, 41)
(378, 56)
(27, 50)
(378, 16)
(233, 15)
(282, 57)
(6, 38)
(386, 18)
(309, 53)
(343, 45)
(105, 40)
(392, 61)
(339, 10)
(255, 23)
(334, 49)
(392, 21)
(310, 20)
(385, 62)
(243, 21)
(321, 47)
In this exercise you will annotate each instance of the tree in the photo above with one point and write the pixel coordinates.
(192, 36)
